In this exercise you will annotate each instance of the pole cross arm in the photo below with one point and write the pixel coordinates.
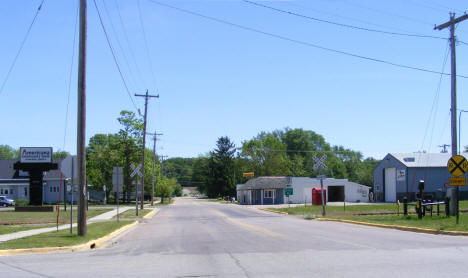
(452, 21)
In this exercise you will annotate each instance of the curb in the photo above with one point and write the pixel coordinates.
(274, 211)
(151, 214)
(95, 243)
(396, 227)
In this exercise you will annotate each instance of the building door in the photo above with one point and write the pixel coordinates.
(336, 193)
(390, 185)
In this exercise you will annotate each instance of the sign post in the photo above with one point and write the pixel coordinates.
(457, 165)
(117, 182)
(136, 171)
(320, 164)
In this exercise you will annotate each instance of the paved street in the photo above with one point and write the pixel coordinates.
(197, 238)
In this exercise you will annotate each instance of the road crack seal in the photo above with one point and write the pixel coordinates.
(236, 260)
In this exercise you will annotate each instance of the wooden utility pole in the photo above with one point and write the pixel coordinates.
(155, 135)
(81, 143)
(453, 109)
(146, 96)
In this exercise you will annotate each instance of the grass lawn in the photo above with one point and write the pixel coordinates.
(129, 214)
(14, 217)
(63, 237)
(435, 222)
(167, 201)
(338, 210)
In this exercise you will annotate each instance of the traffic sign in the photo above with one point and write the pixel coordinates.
(457, 165)
(248, 175)
(136, 170)
(288, 191)
(117, 179)
(457, 181)
(320, 163)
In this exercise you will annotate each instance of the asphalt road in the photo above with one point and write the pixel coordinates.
(197, 238)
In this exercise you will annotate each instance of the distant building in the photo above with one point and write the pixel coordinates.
(271, 190)
(398, 175)
(189, 190)
(14, 184)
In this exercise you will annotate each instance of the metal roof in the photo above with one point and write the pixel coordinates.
(266, 183)
(424, 159)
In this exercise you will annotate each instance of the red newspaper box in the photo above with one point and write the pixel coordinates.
(317, 196)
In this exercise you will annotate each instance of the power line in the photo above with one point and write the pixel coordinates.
(128, 42)
(70, 76)
(146, 43)
(341, 24)
(436, 98)
(113, 55)
(119, 44)
(21, 47)
(302, 42)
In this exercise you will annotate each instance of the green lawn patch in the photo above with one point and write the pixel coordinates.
(435, 222)
(63, 237)
(17, 218)
(129, 214)
(380, 208)
(167, 201)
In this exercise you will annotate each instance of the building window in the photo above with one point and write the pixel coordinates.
(12, 191)
(268, 194)
(1, 191)
(50, 189)
(55, 189)
(25, 191)
(6, 191)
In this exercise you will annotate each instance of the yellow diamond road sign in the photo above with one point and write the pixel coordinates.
(457, 165)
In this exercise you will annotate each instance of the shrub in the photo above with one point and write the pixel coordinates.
(21, 203)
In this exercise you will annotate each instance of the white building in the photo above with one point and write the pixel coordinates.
(271, 190)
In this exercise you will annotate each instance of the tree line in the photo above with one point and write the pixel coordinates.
(287, 152)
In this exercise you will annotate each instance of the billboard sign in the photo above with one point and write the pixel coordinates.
(36, 155)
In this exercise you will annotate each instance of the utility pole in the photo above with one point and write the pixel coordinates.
(162, 163)
(146, 96)
(444, 148)
(453, 109)
(155, 135)
(81, 126)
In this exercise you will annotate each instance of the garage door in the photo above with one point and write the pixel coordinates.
(390, 185)
(336, 193)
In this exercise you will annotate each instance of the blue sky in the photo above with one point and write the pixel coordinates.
(216, 79)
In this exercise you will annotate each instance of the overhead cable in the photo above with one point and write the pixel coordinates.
(21, 47)
(70, 76)
(303, 42)
(113, 55)
(341, 24)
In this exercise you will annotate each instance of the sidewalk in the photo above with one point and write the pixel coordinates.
(102, 217)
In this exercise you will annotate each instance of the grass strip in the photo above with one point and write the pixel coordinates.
(17, 217)
(130, 214)
(439, 223)
(63, 237)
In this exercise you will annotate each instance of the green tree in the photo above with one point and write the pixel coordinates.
(267, 155)
(221, 180)
(130, 142)
(200, 173)
(165, 187)
(178, 190)
(7, 152)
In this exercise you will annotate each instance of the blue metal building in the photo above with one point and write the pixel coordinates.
(398, 174)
